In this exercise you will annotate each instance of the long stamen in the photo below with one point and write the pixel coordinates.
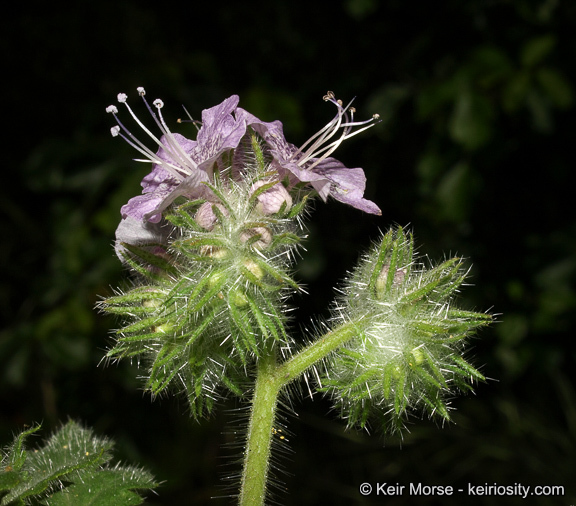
(182, 164)
(335, 144)
(135, 143)
(317, 134)
(152, 158)
(177, 150)
(326, 132)
(122, 97)
(190, 119)
(317, 144)
(170, 144)
(313, 150)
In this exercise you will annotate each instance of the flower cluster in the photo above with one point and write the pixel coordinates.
(212, 239)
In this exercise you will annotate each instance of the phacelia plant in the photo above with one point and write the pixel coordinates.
(211, 245)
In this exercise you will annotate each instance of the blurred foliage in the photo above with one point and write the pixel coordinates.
(475, 152)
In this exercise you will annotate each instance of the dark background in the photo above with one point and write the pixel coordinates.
(475, 153)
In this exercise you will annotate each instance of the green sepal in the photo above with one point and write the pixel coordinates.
(435, 404)
(284, 239)
(363, 378)
(204, 322)
(215, 283)
(453, 265)
(428, 378)
(470, 316)
(378, 265)
(400, 400)
(435, 370)
(297, 208)
(232, 386)
(180, 216)
(277, 274)
(189, 245)
(465, 366)
(151, 259)
(256, 151)
(222, 200)
(144, 324)
(138, 295)
(243, 325)
(408, 354)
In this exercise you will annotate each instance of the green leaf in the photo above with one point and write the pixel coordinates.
(536, 49)
(556, 87)
(72, 457)
(104, 488)
(471, 121)
(15, 455)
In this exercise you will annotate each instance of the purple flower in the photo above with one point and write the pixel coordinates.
(181, 165)
(311, 163)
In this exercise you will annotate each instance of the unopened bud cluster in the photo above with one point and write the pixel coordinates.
(409, 346)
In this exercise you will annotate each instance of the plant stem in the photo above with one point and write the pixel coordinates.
(259, 440)
(270, 379)
(318, 350)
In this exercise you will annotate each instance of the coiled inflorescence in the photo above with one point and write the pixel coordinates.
(213, 299)
(408, 350)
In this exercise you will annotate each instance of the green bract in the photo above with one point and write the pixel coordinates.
(408, 349)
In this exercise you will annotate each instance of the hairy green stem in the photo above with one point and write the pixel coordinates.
(259, 440)
(318, 350)
(271, 378)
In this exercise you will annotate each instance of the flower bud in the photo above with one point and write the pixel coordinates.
(382, 280)
(272, 200)
(205, 216)
(238, 298)
(253, 269)
(259, 237)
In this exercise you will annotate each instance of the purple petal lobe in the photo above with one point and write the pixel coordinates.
(220, 132)
(137, 232)
(348, 185)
